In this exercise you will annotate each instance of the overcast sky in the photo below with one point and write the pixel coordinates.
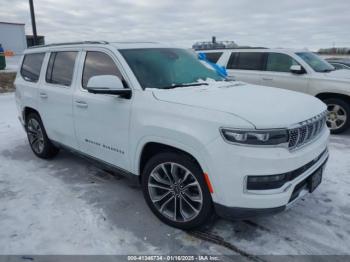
(271, 23)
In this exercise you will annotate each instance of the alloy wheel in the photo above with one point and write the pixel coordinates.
(35, 135)
(336, 117)
(175, 192)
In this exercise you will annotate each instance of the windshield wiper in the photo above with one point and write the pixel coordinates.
(183, 85)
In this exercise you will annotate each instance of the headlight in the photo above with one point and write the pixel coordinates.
(255, 137)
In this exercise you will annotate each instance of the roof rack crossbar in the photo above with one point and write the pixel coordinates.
(70, 43)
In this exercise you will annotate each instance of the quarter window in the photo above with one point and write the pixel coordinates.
(213, 57)
(246, 61)
(31, 66)
(60, 68)
(98, 63)
(277, 62)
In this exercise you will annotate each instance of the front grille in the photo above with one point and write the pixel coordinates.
(306, 131)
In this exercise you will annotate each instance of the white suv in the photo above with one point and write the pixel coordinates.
(300, 71)
(198, 144)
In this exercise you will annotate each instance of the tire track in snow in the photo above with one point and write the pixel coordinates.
(218, 240)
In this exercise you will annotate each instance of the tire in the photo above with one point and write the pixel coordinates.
(338, 118)
(179, 166)
(37, 138)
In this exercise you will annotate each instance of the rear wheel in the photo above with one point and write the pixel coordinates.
(37, 137)
(175, 190)
(338, 115)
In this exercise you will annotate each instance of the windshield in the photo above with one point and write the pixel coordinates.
(167, 67)
(315, 62)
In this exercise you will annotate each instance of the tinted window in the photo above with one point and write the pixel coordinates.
(213, 57)
(246, 61)
(98, 63)
(60, 68)
(279, 62)
(31, 66)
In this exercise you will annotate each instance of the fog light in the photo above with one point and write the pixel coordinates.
(266, 182)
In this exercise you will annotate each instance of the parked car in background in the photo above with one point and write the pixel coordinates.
(197, 143)
(339, 63)
(300, 71)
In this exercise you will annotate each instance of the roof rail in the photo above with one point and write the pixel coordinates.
(70, 43)
(225, 48)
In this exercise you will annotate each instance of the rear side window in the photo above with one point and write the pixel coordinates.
(246, 61)
(277, 62)
(61, 67)
(213, 57)
(98, 63)
(31, 66)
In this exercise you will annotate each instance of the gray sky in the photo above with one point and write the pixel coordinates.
(272, 23)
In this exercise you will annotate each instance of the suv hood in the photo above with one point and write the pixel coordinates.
(341, 74)
(264, 107)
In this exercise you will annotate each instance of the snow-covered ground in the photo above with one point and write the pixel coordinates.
(68, 206)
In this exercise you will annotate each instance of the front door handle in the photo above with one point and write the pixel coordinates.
(81, 104)
(267, 78)
(43, 95)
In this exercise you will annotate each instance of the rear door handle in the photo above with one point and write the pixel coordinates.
(81, 104)
(43, 95)
(267, 78)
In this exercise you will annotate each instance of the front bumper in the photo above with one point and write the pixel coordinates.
(238, 213)
(228, 167)
(300, 190)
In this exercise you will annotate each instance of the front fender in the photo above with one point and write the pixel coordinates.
(191, 146)
(335, 87)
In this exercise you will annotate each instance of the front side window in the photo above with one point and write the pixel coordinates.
(31, 66)
(98, 63)
(167, 67)
(60, 68)
(315, 62)
(246, 61)
(277, 62)
(213, 57)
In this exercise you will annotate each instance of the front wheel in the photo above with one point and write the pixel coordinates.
(176, 192)
(338, 115)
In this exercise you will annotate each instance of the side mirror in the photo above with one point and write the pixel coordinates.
(297, 69)
(108, 85)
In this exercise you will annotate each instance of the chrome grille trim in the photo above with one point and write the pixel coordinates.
(306, 131)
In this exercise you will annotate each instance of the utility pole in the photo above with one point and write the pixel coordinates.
(32, 15)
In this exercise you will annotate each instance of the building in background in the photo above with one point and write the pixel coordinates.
(335, 51)
(214, 44)
(12, 38)
(30, 40)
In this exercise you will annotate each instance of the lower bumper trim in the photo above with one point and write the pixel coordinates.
(239, 213)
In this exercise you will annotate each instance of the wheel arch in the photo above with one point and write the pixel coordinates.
(26, 111)
(327, 95)
(152, 146)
